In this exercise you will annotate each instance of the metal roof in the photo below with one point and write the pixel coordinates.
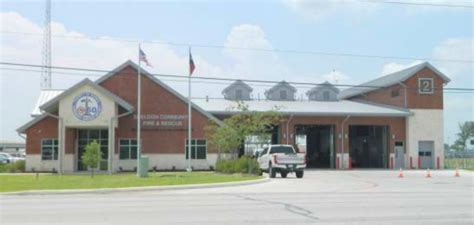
(322, 108)
(389, 80)
(44, 96)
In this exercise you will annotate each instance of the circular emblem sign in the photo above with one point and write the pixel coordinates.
(86, 106)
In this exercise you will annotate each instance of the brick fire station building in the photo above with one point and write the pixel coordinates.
(394, 121)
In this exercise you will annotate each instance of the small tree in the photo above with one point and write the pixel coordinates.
(233, 131)
(466, 130)
(92, 156)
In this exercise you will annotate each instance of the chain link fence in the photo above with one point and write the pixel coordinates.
(459, 159)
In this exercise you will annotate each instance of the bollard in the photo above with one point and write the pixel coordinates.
(411, 163)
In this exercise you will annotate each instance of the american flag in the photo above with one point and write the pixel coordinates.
(142, 57)
(191, 63)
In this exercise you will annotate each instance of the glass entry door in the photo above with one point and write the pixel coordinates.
(86, 136)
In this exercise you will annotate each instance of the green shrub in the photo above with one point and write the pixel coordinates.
(245, 165)
(16, 167)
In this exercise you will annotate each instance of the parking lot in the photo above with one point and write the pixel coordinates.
(321, 197)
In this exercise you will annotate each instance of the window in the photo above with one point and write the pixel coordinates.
(283, 94)
(425, 85)
(238, 94)
(49, 149)
(128, 149)
(198, 148)
(395, 93)
(472, 142)
(326, 95)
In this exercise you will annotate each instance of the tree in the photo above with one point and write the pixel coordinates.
(92, 156)
(466, 130)
(233, 131)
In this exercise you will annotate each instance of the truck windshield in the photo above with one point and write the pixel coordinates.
(282, 149)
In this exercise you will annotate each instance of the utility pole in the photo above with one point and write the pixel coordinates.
(46, 70)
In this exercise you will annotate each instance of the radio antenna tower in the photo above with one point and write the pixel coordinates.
(46, 71)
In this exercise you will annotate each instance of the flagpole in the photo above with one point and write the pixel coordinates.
(189, 119)
(139, 90)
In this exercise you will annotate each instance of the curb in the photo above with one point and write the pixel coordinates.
(133, 189)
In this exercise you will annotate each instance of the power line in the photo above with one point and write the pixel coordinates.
(195, 45)
(419, 4)
(206, 79)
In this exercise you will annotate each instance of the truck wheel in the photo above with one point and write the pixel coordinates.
(271, 171)
(283, 174)
(299, 174)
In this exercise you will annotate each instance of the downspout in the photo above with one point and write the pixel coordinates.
(112, 136)
(342, 140)
(61, 143)
(288, 124)
(405, 93)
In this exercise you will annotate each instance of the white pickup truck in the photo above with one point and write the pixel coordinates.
(281, 159)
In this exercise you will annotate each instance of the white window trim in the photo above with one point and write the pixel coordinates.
(41, 152)
(419, 85)
(130, 151)
(186, 147)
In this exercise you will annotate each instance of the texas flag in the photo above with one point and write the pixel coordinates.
(191, 63)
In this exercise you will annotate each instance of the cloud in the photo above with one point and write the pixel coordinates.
(452, 48)
(250, 63)
(455, 48)
(318, 10)
(82, 52)
(394, 67)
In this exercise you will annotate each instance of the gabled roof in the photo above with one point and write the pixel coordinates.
(49, 99)
(322, 86)
(280, 84)
(389, 80)
(237, 83)
(157, 81)
(30, 123)
(52, 104)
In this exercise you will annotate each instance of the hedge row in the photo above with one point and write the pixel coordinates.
(244, 164)
(16, 167)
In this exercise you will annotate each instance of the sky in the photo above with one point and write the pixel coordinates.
(92, 34)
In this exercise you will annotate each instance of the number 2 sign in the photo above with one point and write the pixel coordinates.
(425, 85)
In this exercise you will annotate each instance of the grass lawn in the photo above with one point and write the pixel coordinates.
(24, 182)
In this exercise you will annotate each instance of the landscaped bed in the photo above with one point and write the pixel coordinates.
(24, 182)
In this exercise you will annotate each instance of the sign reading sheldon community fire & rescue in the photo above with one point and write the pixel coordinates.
(163, 121)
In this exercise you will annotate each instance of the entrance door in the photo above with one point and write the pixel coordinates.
(86, 136)
(399, 155)
(425, 152)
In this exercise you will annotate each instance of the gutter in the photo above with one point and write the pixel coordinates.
(342, 140)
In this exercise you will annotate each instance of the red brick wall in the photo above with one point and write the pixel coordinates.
(155, 100)
(384, 96)
(425, 101)
(45, 128)
(414, 99)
